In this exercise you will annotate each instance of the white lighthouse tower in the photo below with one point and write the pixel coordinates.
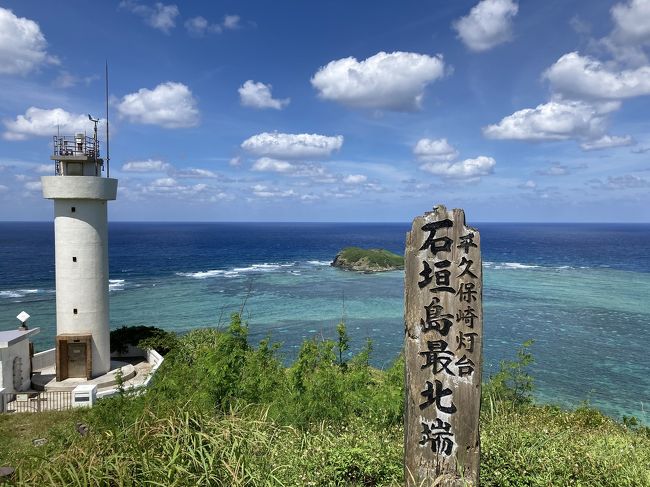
(80, 195)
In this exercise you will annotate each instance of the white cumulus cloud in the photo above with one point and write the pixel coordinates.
(434, 150)
(258, 95)
(394, 81)
(555, 169)
(555, 120)
(33, 186)
(467, 169)
(632, 20)
(164, 183)
(160, 16)
(45, 168)
(231, 22)
(169, 105)
(582, 76)
(200, 26)
(43, 122)
(268, 164)
(22, 44)
(150, 165)
(196, 173)
(530, 184)
(607, 141)
(262, 191)
(292, 146)
(355, 179)
(487, 25)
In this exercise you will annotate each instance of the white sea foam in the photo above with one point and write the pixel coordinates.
(520, 266)
(237, 271)
(509, 265)
(116, 284)
(10, 294)
(201, 274)
(318, 262)
(515, 265)
(262, 267)
(20, 293)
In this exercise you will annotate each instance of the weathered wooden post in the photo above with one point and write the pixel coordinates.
(443, 320)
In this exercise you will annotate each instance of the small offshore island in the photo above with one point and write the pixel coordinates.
(367, 260)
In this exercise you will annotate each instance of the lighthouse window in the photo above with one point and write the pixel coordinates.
(73, 209)
(74, 259)
(74, 311)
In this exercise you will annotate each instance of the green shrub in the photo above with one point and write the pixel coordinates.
(512, 383)
(143, 337)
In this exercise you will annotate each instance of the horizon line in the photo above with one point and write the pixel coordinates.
(522, 222)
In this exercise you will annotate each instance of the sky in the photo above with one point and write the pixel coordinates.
(532, 111)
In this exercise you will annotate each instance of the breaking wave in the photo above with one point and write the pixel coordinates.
(21, 293)
(116, 284)
(290, 267)
(520, 266)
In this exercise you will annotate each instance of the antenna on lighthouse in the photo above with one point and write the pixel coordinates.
(108, 157)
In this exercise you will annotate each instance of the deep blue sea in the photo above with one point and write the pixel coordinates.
(582, 292)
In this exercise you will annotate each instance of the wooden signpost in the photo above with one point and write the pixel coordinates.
(443, 320)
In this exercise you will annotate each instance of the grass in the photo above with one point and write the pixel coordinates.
(521, 446)
(223, 413)
(17, 432)
(545, 446)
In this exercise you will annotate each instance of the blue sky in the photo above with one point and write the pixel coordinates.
(336, 111)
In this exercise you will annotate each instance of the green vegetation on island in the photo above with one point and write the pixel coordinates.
(222, 412)
(368, 260)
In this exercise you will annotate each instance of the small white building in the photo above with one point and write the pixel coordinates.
(15, 360)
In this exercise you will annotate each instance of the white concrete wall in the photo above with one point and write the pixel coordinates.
(79, 187)
(44, 359)
(7, 362)
(82, 234)
(83, 285)
(154, 359)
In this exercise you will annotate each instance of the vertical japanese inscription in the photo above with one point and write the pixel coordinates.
(443, 350)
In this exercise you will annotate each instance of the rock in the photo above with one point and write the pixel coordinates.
(39, 441)
(7, 472)
(82, 429)
(367, 260)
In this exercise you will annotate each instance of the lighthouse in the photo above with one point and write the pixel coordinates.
(80, 193)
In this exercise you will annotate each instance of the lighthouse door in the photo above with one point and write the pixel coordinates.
(76, 359)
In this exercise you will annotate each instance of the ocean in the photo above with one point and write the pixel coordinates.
(580, 291)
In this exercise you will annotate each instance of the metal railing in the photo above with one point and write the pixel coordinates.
(75, 145)
(35, 402)
(76, 148)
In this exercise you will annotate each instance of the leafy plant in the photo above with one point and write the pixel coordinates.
(143, 337)
(512, 382)
(343, 343)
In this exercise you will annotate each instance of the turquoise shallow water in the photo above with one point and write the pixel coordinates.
(590, 323)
